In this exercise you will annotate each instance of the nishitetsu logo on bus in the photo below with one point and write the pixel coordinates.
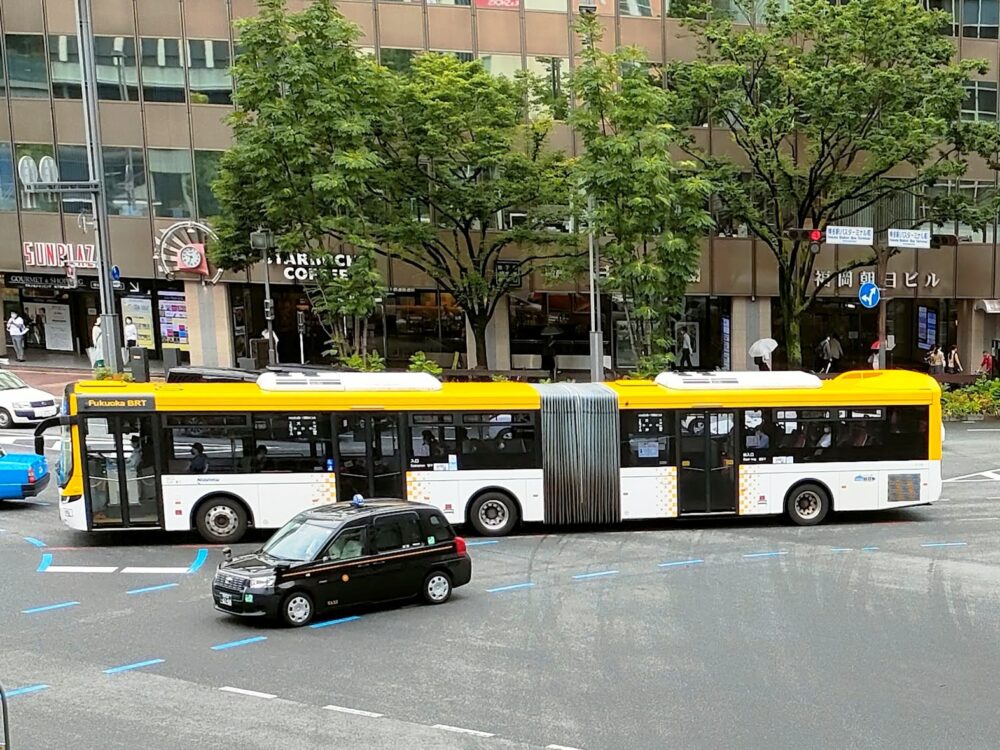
(59, 255)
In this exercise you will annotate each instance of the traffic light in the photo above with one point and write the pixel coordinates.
(815, 237)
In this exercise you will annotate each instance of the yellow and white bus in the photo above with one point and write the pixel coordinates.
(222, 457)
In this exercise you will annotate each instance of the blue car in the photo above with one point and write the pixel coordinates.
(22, 475)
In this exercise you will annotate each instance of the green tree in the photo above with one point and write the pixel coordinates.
(424, 164)
(343, 301)
(840, 112)
(648, 211)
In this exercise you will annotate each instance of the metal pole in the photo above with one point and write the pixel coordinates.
(596, 337)
(6, 718)
(272, 353)
(883, 354)
(110, 331)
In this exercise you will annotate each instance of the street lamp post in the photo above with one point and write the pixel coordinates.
(262, 241)
(596, 333)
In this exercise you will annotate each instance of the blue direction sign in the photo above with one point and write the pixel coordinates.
(116, 273)
(869, 295)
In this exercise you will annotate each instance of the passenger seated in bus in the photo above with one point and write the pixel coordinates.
(462, 442)
(758, 439)
(430, 446)
(258, 462)
(198, 463)
(859, 437)
(822, 436)
(796, 440)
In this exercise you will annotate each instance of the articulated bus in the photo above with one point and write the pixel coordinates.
(222, 457)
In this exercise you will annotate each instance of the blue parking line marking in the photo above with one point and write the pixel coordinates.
(338, 621)
(765, 554)
(152, 588)
(35, 542)
(25, 690)
(48, 608)
(130, 667)
(45, 562)
(582, 576)
(512, 587)
(841, 549)
(244, 642)
(678, 563)
(945, 544)
(481, 542)
(869, 549)
(199, 560)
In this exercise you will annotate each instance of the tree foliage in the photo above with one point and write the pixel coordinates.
(648, 210)
(839, 111)
(421, 164)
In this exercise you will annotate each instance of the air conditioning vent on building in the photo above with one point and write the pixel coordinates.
(348, 381)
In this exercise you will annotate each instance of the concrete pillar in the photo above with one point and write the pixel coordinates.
(971, 334)
(750, 320)
(209, 324)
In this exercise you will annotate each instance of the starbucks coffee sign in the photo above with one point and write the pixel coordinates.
(305, 266)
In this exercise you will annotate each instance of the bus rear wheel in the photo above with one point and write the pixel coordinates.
(808, 504)
(493, 514)
(221, 520)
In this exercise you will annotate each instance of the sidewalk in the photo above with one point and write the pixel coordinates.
(53, 371)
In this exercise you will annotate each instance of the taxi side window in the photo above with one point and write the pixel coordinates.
(439, 528)
(349, 544)
(396, 532)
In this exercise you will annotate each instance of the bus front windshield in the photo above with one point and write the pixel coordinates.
(298, 540)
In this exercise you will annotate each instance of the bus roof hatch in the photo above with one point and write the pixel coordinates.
(348, 381)
(734, 381)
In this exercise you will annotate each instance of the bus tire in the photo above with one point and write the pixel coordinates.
(221, 520)
(297, 609)
(494, 514)
(808, 504)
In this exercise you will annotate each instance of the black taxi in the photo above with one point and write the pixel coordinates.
(345, 554)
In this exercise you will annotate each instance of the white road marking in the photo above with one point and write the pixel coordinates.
(462, 730)
(251, 693)
(979, 476)
(984, 429)
(155, 570)
(560, 747)
(79, 569)
(354, 711)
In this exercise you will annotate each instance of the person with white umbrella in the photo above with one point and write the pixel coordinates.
(761, 350)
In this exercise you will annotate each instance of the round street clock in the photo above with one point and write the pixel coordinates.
(180, 250)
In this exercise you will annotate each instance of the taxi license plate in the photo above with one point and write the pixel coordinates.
(226, 600)
(48, 412)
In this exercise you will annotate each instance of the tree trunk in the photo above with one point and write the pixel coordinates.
(793, 333)
(479, 324)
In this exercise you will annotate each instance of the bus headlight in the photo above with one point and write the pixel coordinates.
(262, 583)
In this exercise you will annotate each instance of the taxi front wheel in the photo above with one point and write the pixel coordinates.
(297, 609)
(437, 587)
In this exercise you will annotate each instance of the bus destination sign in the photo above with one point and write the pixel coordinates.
(131, 402)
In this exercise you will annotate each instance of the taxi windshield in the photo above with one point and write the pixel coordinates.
(299, 540)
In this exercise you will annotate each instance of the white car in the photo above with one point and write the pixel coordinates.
(22, 404)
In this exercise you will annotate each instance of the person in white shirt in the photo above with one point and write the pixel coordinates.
(96, 336)
(686, 350)
(17, 330)
(131, 334)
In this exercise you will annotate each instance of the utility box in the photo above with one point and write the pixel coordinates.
(259, 351)
(138, 363)
(171, 359)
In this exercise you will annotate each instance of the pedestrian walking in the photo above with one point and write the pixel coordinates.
(986, 365)
(935, 361)
(96, 352)
(686, 350)
(824, 352)
(17, 330)
(836, 352)
(954, 363)
(131, 334)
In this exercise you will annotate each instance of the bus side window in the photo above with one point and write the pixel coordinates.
(497, 441)
(757, 431)
(647, 438)
(222, 440)
(432, 439)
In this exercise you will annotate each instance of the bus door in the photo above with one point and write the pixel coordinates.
(369, 456)
(706, 474)
(123, 484)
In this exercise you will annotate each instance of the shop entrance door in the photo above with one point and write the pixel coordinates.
(707, 462)
(369, 460)
(121, 471)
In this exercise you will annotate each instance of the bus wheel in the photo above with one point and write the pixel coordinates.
(221, 519)
(297, 609)
(808, 504)
(494, 514)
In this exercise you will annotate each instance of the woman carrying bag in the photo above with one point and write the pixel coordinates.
(96, 352)
(954, 363)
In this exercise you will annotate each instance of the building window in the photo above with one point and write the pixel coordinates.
(397, 59)
(125, 181)
(34, 201)
(950, 7)
(117, 72)
(73, 166)
(552, 72)
(557, 6)
(980, 18)
(26, 66)
(980, 101)
(208, 62)
(422, 321)
(173, 189)
(8, 188)
(162, 70)
(501, 65)
(64, 67)
(642, 8)
(206, 169)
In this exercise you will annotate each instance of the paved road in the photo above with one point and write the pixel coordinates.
(866, 632)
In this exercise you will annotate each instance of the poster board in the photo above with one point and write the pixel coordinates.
(173, 321)
(140, 310)
(49, 326)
